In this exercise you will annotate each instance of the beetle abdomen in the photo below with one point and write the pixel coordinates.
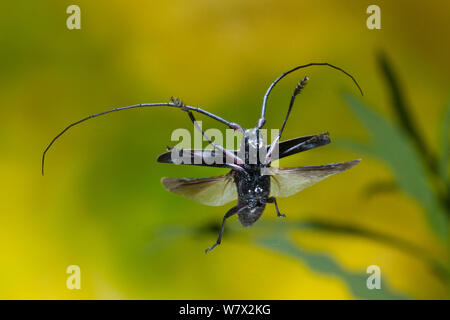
(249, 216)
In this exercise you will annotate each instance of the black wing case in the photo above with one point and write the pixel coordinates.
(206, 158)
(300, 144)
(215, 158)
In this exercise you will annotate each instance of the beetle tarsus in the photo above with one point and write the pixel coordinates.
(177, 102)
(212, 247)
(300, 86)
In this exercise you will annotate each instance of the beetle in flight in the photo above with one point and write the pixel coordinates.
(252, 181)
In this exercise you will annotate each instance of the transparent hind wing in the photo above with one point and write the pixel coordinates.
(288, 181)
(211, 191)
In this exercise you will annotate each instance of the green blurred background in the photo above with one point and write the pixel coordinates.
(101, 206)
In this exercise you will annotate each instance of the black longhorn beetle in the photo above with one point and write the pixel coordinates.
(252, 183)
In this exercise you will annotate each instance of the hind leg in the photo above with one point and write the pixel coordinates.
(273, 200)
(231, 212)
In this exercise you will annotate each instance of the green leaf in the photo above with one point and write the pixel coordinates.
(401, 110)
(390, 144)
(325, 264)
(445, 147)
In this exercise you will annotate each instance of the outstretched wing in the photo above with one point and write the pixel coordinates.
(288, 181)
(212, 191)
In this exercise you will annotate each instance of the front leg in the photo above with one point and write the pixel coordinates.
(228, 154)
(273, 200)
(231, 212)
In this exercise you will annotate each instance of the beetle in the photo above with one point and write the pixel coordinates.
(252, 180)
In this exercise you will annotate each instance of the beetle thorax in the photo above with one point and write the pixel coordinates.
(253, 147)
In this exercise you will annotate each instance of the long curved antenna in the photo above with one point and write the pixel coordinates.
(142, 105)
(262, 120)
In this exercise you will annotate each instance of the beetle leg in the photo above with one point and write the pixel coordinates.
(179, 104)
(273, 200)
(274, 144)
(228, 154)
(230, 212)
(262, 120)
(175, 103)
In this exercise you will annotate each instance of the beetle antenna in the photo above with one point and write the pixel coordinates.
(173, 104)
(262, 120)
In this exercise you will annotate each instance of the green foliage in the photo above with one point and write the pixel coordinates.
(392, 145)
(325, 264)
(445, 137)
(404, 151)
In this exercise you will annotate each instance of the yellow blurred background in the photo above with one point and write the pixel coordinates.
(101, 205)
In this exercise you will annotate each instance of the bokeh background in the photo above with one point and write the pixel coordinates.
(101, 206)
